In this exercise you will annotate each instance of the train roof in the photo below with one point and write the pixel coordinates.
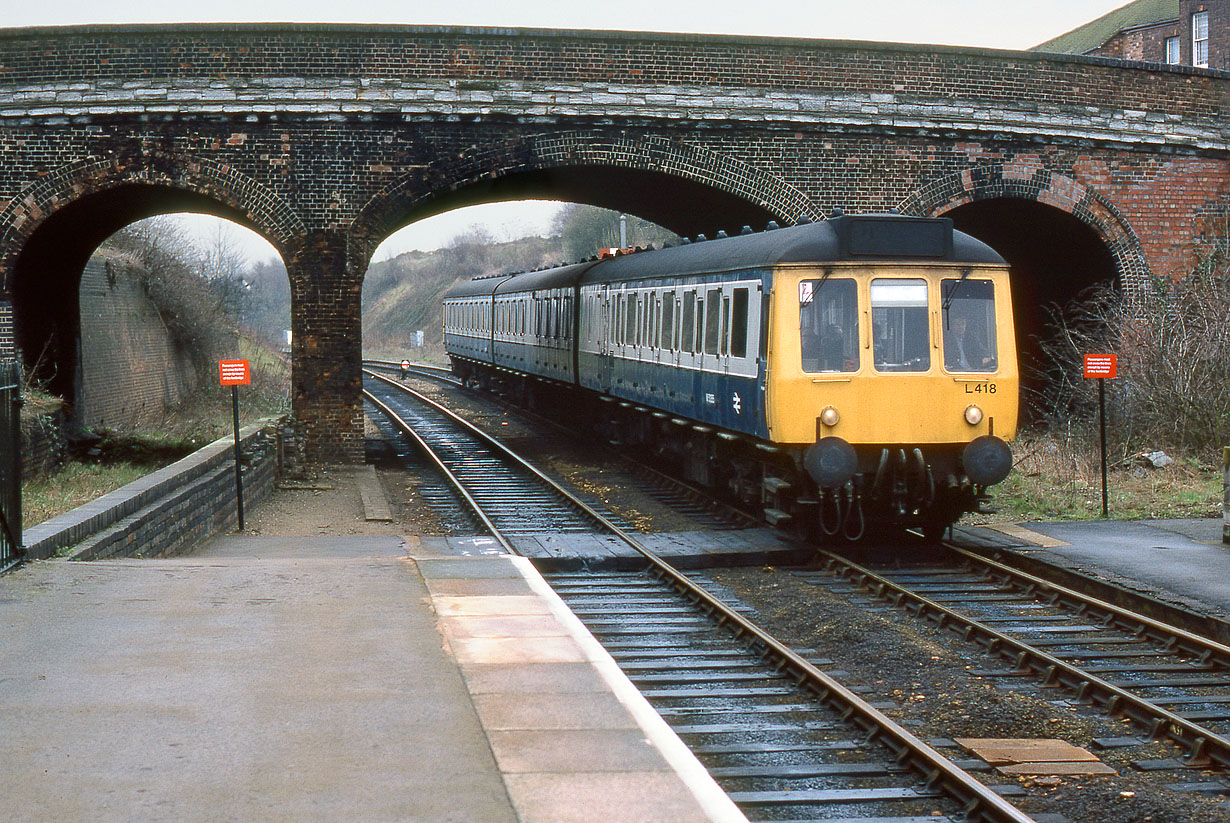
(839, 239)
(847, 238)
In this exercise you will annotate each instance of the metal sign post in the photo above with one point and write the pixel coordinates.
(235, 373)
(1100, 367)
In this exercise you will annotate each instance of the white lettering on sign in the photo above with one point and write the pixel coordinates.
(1101, 365)
(710, 399)
(234, 373)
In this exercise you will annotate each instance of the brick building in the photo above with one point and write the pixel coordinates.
(1177, 32)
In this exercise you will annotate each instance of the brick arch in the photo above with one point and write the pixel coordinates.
(265, 211)
(1029, 181)
(386, 210)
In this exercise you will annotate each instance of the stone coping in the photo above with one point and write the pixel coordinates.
(71, 527)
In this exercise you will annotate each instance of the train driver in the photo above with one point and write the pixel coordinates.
(962, 351)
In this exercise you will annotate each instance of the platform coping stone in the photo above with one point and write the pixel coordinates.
(569, 731)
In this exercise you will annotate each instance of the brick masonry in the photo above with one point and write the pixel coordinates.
(131, 371)
(165, 512)
(325, 139)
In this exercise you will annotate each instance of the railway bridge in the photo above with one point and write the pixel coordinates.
(325, 139)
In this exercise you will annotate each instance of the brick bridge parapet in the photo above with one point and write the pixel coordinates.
(326, 138)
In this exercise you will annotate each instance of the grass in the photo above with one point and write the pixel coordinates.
(1052, 480)
(116, 458)
(72, 486)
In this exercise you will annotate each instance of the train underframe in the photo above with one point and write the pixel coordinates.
(892, 487)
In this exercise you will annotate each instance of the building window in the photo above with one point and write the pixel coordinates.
(1200, 39)
(1172, 50)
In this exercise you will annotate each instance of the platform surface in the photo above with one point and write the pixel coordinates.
(321, 679)
(1182, 560)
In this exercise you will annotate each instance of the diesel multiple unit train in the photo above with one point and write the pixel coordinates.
(832, 374)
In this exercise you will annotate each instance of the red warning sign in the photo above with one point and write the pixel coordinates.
(1101, 365)
(234, 373)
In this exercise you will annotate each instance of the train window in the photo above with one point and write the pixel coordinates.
(655, 302)
(668, 321)
(713, 317)
(726, 325)
(828, 325)
(689, 321)
(968, 324)
(738, 324)
(902, 341)
(630, 320)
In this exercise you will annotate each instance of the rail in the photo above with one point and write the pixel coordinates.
(977, 801)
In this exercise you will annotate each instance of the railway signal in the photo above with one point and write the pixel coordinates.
(1101, 367)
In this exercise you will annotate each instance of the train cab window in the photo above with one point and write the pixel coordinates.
(828, 325)
(713, 317)
(968, 323)
(902, 341)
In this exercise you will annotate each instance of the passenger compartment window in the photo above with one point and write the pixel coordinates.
(738, 324)
(968, 322)
(689, 321)
(828, 325)
(899, 325)
(668, 321)
(713, 318)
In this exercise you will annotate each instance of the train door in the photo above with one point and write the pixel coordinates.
(606, 330)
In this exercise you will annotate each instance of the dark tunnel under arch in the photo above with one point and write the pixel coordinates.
(44, 283)
(1054, 257)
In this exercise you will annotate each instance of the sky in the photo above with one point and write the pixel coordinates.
(1000, 24)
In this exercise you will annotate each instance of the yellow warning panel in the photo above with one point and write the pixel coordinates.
(1029, 756)
(1028, 535)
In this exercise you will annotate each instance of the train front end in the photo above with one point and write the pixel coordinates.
(894, 378)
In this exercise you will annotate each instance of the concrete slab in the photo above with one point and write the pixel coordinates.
(1162, 561)
(323, 679)
(220, 688)
(570, 732)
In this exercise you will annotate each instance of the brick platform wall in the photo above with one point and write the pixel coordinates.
(168, 511)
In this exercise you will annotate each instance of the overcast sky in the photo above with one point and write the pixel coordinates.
(1001, 24)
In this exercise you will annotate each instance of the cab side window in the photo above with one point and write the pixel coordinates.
(968, 324)
(828, 325)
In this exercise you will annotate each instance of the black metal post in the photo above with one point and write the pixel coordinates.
(238, 473)
(1102, 427)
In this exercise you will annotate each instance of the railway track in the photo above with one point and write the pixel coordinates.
(786, 739)
(694, 503)
(1172, 684)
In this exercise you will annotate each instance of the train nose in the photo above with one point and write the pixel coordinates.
(987, 460)
(830, 461)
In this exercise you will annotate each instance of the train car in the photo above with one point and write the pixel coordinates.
(829, 373)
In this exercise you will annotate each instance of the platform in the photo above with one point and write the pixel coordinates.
(1182, 562)
(323, 678)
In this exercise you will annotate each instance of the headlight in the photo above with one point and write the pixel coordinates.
(973, 415)
(829, 416)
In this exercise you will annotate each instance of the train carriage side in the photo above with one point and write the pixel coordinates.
(467, 308)
(536, 323)
(686, 343)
